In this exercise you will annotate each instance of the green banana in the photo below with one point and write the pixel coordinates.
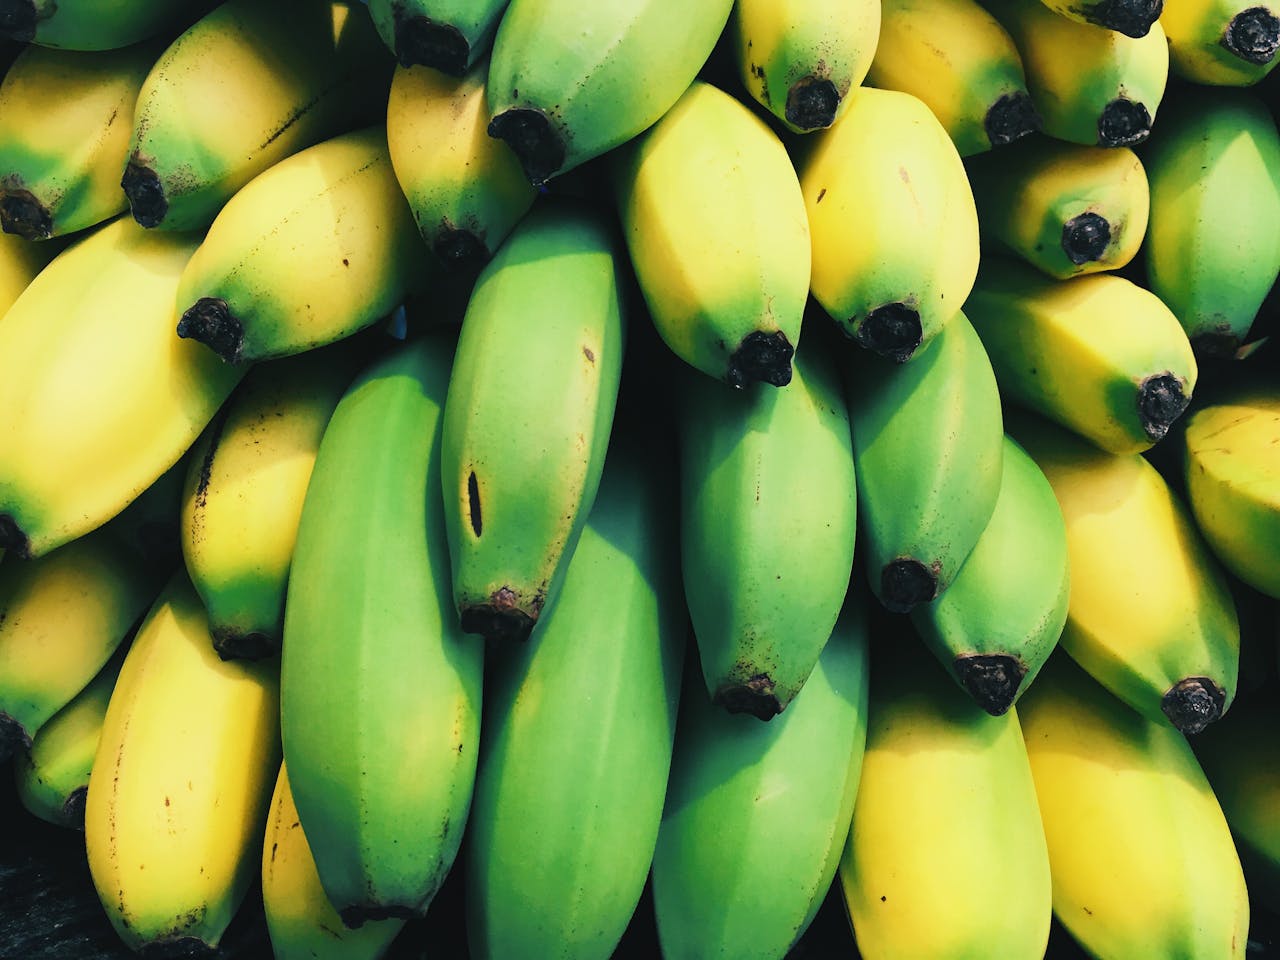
(93, 24)
(380, 692)
(527, 420)
(449, 35)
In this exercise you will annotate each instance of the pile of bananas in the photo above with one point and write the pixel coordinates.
(278, 312)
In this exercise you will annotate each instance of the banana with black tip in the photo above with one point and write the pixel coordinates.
(448, 35)
(1222, 42)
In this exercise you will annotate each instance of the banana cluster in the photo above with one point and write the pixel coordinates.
(702, 454)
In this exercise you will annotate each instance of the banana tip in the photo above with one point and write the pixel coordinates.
(755, 696)
(906, 582)
(892, 330)
(1012, 117)
(211, 322)
(1133, 18)
(73, 808)
(460, 249)
(1085, 238)
(991, 679)
(1253, 35)
(176, 948)
(533, 139)
(1123, 123)
(812, 103)
(18, 19)
(22, 214)
(145, 190)
(763, 357)
(1161, 401)
(357, 916)
(13, 737)
(501, 617)
(12, 538)
(243, 645)
(1193, 703)
(421, 40)
(1219, 343)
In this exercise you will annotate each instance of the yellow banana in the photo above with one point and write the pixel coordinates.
(1221, 42)
(20, 262)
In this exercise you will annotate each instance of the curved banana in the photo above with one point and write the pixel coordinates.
(800, 59)
(1057, 349)
(927, 447)
(1222, 42)
(1212, 252)
(380, 691)
(892, 222)
(243, 496)
(93, 24)
(64, 135)
(98, 398)
(301, 921)
(181, 782)
(578, 736)
(522, 454)
(466, 190)
(1231, 451)
(958, 60)
(559, 100)
(1065, 208)
(449, 35)
(20, 262)
(766, 566)
(1150, 615)
(946, 855)
(1003, 614)
(288, 74)
(1143, 863)
(716, 227)
(311, 251)
(757, 814)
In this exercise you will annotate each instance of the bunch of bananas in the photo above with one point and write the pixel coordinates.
(417, 467)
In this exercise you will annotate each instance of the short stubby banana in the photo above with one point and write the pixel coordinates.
(569, 81)
(93, 24)
(449, 35)
(380, 691)
(1222, 42)
(1142, 859)
(301, 921)
(1057, 349)
(64, 135)
(20, 262)
(243, 493)
(716, 227)
(955, 56)
(1150, 615)
(892, 222)
(1003, 614)
(269, 79)
(529, 412)
(1212, 250)
(1065, 208)
(946, 854)
(181, 783)
(466, 190)
(580, 723)
(928, 442)
(800, 59)
(768, 519)
(313, 250)
(757, 814)
(1231, 457)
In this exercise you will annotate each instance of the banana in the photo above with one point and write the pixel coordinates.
(1057, 349)
(892, 222)
(466, 189)
(1150, 615)
(958, 60)
(756, 814)
(766, 567)
(61, 618)
(716, 227)
(1131, 18)
(450, 35)
(301, 921)
(1212, 252)
(181, 782)
(98, 398)
(288, 74)
(1090, 84)
(52, 777)
(93, 24)
(522, 453)
(1065, 208)
(1003, 614)
(1221, 42)
(579, 733)
(243, 496)
(946, 854)
(380, 691)
(1232, 471)
(311, 251)
(927, 448)
(569, 81)
(800, 59)
(64, 135)
(20, 262)
(1142, 860)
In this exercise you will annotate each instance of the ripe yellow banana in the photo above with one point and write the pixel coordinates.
(449, 35)
(20, 261)
(93, 24)
(1222, 42)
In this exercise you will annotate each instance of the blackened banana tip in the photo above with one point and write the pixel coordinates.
(1012, 117)
(1123, 123)
(991, 679)
(1253, 35)
(1193, 703)
(235, 645)
(13, 737)
(761, 357)
(812, 103)
(754, 695)
(422, 41)
(18, 19)
(212, 323)
(1133, 18)
(459, 249)
(1161, 401)
(145, 190)
(1219, 344)
(353, 918)
(12, 538)
(499, 618)
(177, 948)
(534, 140)
(73, 808)
(1085, 238)
(22, 214)
(893, 331)
(906, 582)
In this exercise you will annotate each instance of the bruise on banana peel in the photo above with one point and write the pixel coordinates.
(1193, 703)
(991, 679)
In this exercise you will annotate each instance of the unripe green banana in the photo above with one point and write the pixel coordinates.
(768, 517)
(1057, 349)
(1222, 42)
(380, 692)
(927, 446)
(449, 35)
(716, 228)
(569, 81)
(757, 814)
(93, 24)
(530, 407)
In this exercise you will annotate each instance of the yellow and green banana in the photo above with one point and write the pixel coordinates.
(93, 24)
(1222, 42)
(448, 35)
